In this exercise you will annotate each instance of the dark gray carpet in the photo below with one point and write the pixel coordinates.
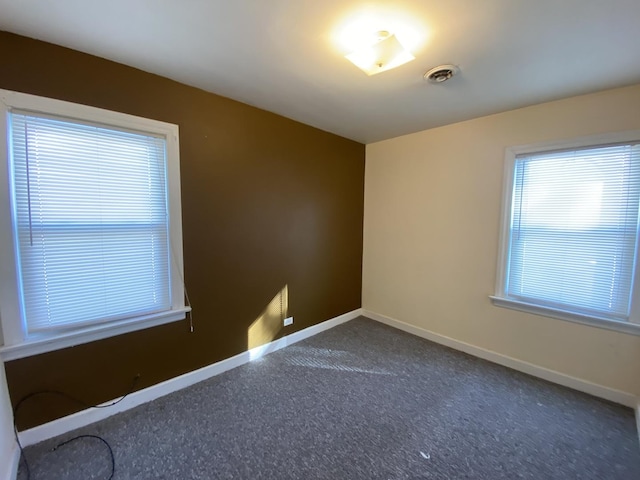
(360, 401)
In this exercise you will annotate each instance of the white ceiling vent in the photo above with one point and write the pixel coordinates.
(441, 73)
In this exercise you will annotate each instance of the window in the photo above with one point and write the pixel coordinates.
(91, 224)
(570, 233)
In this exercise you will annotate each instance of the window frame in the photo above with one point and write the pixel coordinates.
(499, 298)
(14, 340)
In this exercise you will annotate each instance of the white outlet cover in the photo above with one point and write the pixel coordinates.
(288, 321)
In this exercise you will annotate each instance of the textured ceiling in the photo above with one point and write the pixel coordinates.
(285, 56)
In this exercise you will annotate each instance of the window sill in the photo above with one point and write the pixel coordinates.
(623, 327)
(40, 345)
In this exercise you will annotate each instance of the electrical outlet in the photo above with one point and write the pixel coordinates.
(288, 321)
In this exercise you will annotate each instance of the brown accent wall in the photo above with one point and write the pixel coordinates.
(267, 202)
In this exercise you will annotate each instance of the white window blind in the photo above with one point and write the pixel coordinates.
(574, 230)
(90, 206)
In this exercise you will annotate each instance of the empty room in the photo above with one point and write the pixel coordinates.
(295, 239)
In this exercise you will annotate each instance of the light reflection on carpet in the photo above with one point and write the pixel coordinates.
(329, 359)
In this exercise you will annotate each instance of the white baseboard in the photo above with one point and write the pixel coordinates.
(638, 420)
(9, 467)
(617, 396)
(86, 417)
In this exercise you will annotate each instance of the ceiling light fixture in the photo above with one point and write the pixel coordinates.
(384, 54)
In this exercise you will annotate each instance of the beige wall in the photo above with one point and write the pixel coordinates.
(432, 213)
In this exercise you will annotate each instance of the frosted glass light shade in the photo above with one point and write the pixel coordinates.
(383, 55)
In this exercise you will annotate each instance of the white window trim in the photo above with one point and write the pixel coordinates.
(16, 344)
(498, 299)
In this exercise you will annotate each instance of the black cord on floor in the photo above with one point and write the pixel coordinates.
(22, 456)
(113, 460)
(78, 401)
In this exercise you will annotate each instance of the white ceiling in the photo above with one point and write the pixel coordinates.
(284, 55)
